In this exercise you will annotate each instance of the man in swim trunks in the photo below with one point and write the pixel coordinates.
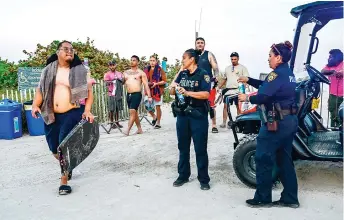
(133, 79)
(63, 97)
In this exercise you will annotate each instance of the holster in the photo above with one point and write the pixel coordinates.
(193, 112)
(175, 109)
(272, 123)
(284, 112)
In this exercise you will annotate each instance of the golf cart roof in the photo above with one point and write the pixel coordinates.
(315, 6)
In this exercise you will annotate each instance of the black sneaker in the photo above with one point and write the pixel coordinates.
(179, 182)
(290, 205)
(205, 186)
(258, 204)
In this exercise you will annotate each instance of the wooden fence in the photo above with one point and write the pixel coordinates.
(99, 107)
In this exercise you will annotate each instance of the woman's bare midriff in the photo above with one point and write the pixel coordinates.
(62, 99)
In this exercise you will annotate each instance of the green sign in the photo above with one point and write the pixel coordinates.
(28, 77)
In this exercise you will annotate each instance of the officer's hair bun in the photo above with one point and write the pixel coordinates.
(288, 44)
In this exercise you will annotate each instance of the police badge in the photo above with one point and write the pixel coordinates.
(207, 78)
(272, 76)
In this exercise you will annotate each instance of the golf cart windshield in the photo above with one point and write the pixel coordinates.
(302, 51)
(312, 18)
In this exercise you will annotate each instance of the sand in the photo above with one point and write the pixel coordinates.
(131, 178)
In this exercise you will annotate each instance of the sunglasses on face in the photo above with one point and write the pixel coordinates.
(66, 49)
(274, 47)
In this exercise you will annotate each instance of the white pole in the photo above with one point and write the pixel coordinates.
(200, 20)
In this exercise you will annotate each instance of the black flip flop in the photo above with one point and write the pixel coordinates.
(157, 126)
(214, 130)
(65, 190)
(153, 122)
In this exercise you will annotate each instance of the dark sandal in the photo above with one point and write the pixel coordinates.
(65, 190)
(214, 130)
(157, 126)
(153, 122)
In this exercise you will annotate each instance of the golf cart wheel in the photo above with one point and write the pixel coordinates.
(244, 161)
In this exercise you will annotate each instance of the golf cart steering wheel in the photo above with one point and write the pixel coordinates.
(315, 74)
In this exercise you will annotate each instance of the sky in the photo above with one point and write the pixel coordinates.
(163, 27)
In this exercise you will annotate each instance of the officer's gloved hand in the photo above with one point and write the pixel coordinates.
(214, 80)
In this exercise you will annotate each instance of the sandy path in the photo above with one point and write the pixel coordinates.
(131, 178)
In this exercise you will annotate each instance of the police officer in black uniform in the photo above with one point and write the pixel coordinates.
(274, 142)
(207, 62)
(191, 110)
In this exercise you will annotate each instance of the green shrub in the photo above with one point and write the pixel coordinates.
(98, 61)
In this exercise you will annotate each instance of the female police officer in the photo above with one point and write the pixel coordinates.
(274, 141)
(194, 84)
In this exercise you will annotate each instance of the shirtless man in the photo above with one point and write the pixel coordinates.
(64, 102)
(133, 79)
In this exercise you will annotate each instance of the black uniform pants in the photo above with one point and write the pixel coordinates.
(196, 128)
(276, 146)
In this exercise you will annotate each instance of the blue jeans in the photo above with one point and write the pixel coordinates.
(64, 123)
(276, 146)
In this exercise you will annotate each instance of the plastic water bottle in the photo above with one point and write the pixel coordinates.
(241, 88)
(242, 91)
(180, 97)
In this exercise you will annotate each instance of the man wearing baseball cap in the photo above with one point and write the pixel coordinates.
(113, 80)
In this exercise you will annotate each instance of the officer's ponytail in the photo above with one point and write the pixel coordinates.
(194, 53)
(283, 49)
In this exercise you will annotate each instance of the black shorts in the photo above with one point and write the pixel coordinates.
(229, 101)
(64, 123)
(134, 100)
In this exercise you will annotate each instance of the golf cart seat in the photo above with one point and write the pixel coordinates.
(323, 143)
(319, 140)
